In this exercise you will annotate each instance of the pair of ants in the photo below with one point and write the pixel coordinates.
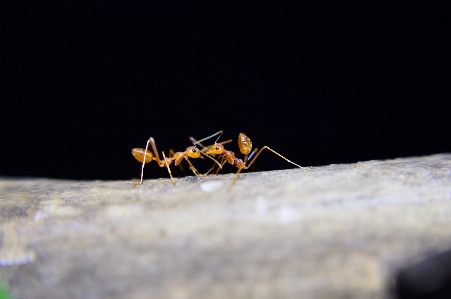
(217, 149)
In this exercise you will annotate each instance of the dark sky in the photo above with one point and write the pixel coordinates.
(321, 82)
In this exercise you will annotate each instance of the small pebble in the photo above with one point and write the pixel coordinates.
(210, 186)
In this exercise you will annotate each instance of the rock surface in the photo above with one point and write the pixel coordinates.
(337, 231)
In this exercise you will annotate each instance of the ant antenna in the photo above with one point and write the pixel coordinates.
(206, 138)
(222, 131)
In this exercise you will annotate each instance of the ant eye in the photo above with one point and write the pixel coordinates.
(193, 150)
(217, 147)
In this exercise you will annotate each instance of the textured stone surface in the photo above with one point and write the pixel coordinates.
(337, 231)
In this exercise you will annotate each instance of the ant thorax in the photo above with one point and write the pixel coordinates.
(230, 157)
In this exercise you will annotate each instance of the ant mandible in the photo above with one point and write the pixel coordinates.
(245, 145)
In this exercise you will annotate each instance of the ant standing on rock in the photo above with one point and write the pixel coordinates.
(245, 145)
(146, 156)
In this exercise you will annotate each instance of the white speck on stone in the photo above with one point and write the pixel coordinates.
(39, 216)
(210, 186)
(56, 208)
(18, 257)
(123, 211)
(63, 211)
(288, 215)
(260, 206)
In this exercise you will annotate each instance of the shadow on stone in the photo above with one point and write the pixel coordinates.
(430, 278)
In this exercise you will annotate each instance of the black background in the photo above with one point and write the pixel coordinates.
(82, 83)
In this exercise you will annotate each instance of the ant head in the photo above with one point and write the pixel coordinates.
(192, 152)
(216, 149)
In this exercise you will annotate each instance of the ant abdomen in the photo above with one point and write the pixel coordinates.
(245, 144)
(138, 153)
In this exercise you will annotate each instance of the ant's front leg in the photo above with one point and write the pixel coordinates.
(193, 169)
(223, 162)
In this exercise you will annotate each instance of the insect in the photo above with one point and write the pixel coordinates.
(146, 156)
(245, 145)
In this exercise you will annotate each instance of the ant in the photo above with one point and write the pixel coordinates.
(146, 156)
(245, 145)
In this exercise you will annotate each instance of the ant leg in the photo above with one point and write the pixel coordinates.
(220, 166)
(235, 178)
(193, 168)
(213, 167)
(224, 161)
(250, 157)
(169, 170)
(204, 148)
(144, 163)
(253, 160)
(246, 159)
(171, 154)
(154, 147)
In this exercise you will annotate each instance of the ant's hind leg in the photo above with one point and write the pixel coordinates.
(266, 147)
(144, 163)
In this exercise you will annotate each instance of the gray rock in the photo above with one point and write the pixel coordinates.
(337, 231)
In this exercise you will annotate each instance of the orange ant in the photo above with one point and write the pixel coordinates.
(245, 145)
(146, 156)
